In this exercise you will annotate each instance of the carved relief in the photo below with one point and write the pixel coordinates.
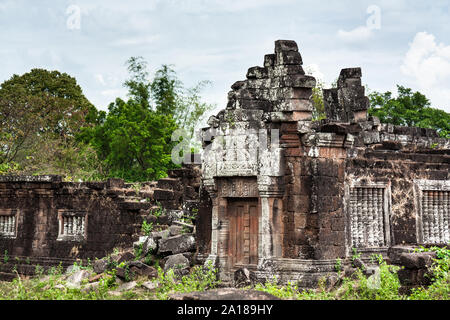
(238, 188)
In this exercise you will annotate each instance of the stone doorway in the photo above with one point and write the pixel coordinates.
(243, 233)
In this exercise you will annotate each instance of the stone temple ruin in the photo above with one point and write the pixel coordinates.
(278, 194)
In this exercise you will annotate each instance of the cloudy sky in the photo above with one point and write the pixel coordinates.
(395, 42)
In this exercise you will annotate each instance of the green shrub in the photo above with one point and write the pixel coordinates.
(199, 279)
(440, 287)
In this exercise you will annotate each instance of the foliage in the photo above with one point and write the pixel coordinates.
(134, 143)
(318, 103)
(440, 288)
(41, 113)
(283, 292)
(199, 279)
(409, 109)
(51, 287)
(133, 140)
(146, 227)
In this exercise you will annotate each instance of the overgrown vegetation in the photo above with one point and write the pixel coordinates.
(384, 285)
(53, 285)
(440, 287)
(409, 109)
(47, 125)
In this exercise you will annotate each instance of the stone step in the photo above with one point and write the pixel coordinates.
(169, 184)
(134, 205)
(6, 276)
(163, 194)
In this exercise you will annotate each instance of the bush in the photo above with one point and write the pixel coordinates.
(440, 288)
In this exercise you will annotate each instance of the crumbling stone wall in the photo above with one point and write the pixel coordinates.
(112, 213)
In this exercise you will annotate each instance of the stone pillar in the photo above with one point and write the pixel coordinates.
(213, 256)
(269, 245)
(347, 102)
(265, 238)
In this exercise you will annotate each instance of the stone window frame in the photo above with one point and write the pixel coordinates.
(71, 237)
(421, 185)
(10, 212)
(386, 186)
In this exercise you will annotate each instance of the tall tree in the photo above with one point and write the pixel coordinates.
(134, 140)
(409, 109)
(40, 110)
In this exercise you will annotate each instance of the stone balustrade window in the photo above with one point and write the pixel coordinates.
(368, 216)
(433, 206)
(72, 225)
(8, 225)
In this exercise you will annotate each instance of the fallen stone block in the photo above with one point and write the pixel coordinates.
(177, 244)
(150, 285)
(100, 265)
(75, 279)
(139, 268)
(417, 260)
(224, 294)
(177, 261)
(243, 277)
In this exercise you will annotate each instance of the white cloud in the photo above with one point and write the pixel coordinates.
(99, 78)
(358, 34)
(212, 6)
(428, 63)
(314, 70)
(133, 41)
(113, 93)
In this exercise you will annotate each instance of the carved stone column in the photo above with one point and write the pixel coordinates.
(268, 224)
(213, 256)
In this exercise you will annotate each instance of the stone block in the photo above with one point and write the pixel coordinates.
(269, 60)
(417, 260)
(296, 81)
(289, 105)
(257, 73)
(288, 57)
(177, 244)
(114, 183)
(285, 45)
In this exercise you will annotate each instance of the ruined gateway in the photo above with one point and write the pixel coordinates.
(277, 193)
(290, 196)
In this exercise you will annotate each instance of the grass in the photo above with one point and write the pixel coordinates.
(384, 285)
(51, 286)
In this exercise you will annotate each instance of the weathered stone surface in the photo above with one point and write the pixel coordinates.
(75, 279)
(358, 263)
(177, 261)
(177, 244)
(127, 286)
(123, 257)
(150, 285)
(138, 268)
(257, 73)
(285, 45)
(288, 58)
(417, 260)
(149, 246)
(175, 230)
(225, 294)
(90, 287)
(100, 265)
(158, 235)
(243, 277)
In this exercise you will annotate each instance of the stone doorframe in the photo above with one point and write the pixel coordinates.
(269, 220)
